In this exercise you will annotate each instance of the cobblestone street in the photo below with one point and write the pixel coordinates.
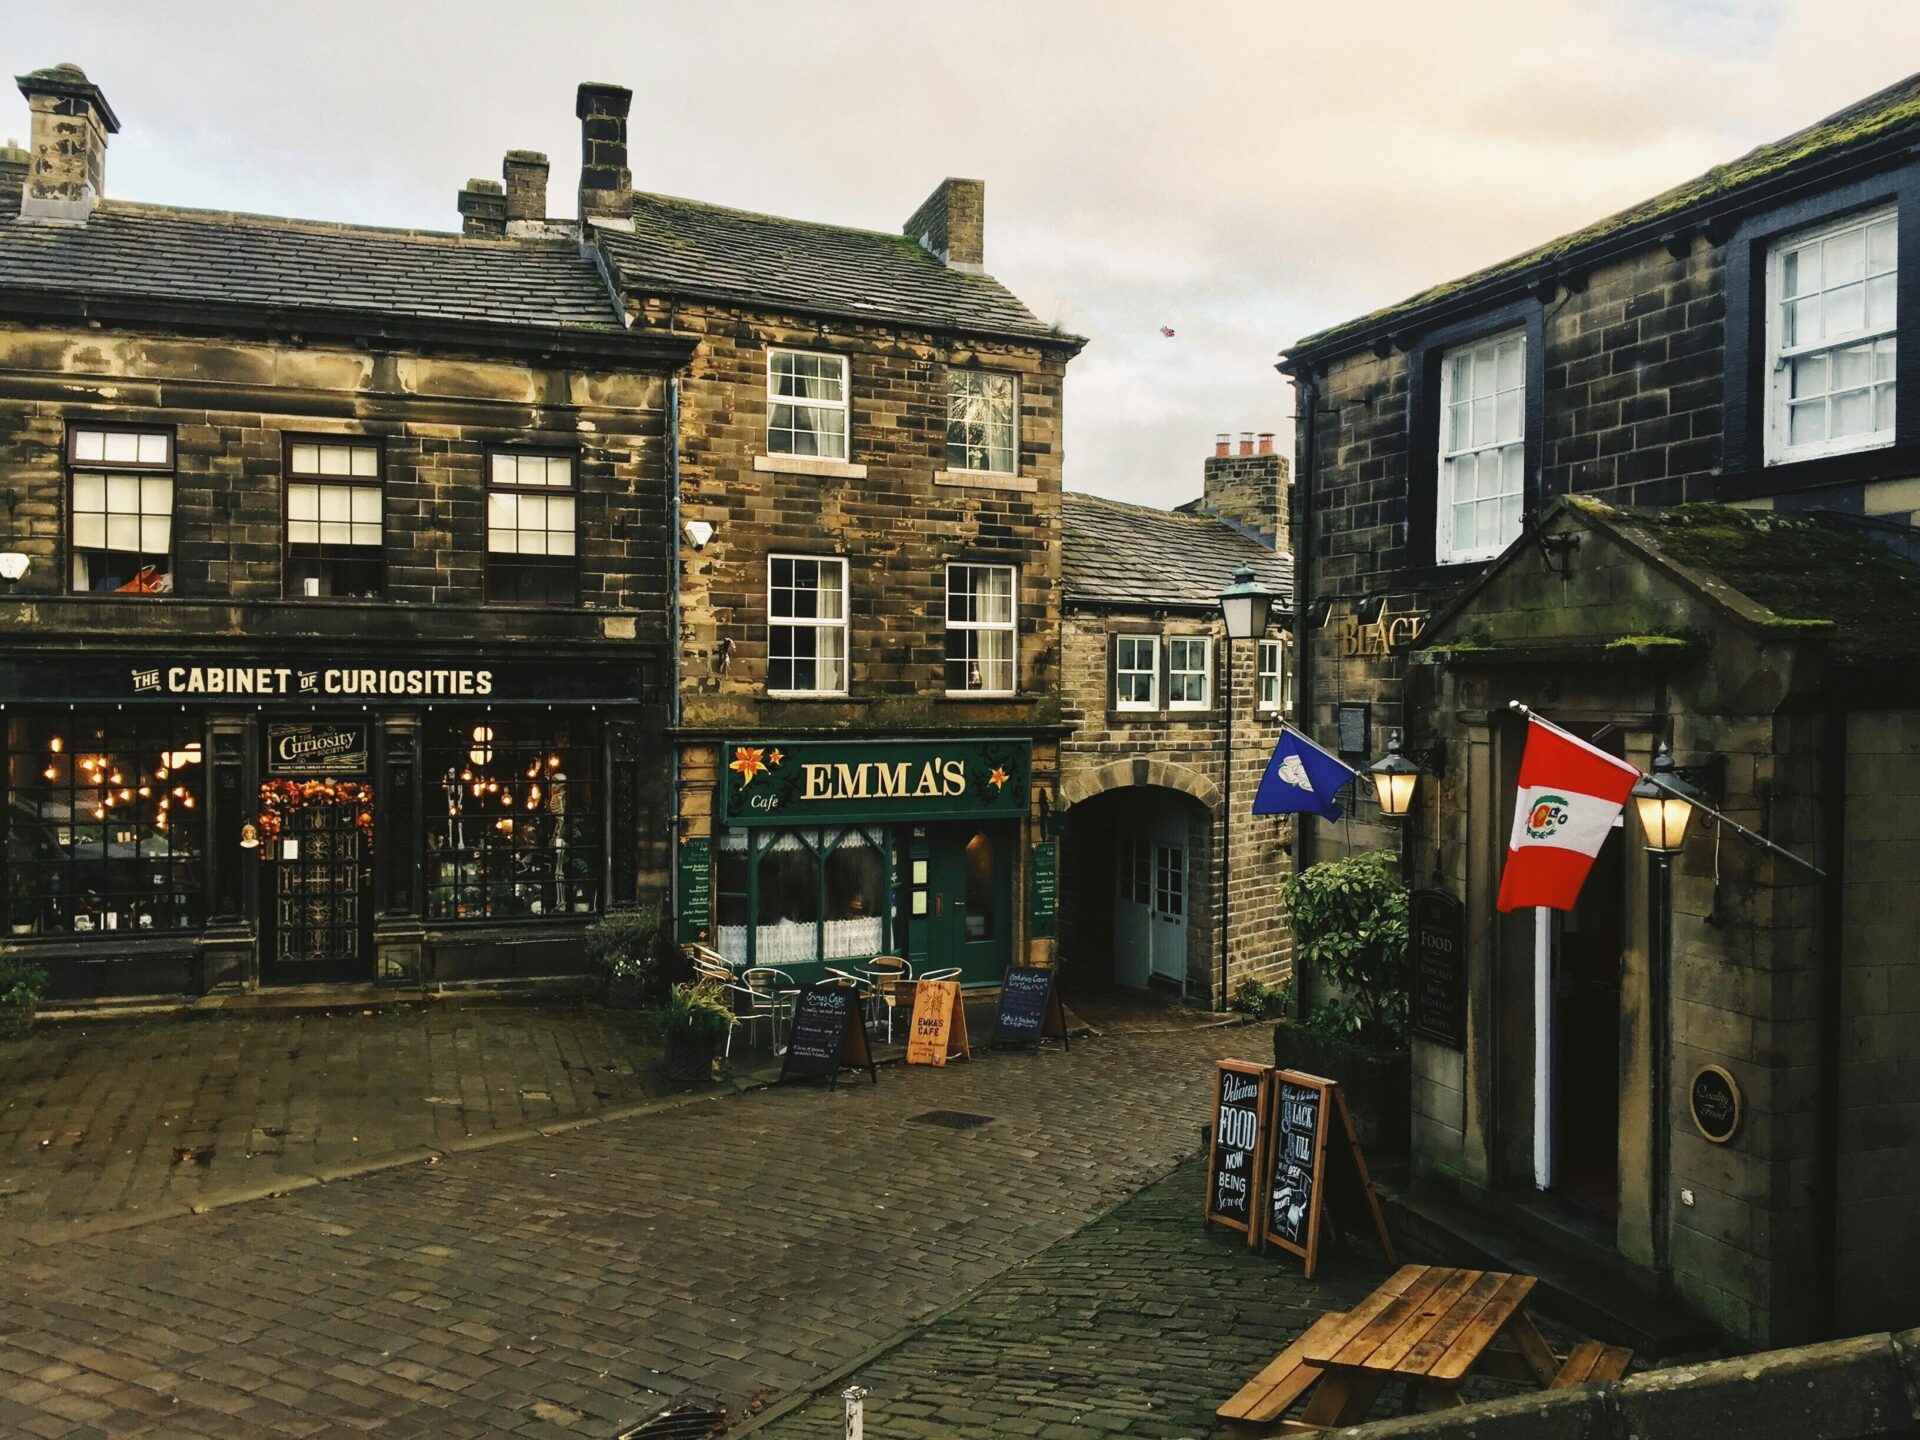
(571, 1284)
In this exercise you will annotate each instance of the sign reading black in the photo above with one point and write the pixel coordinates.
(828, 1035)
(696, 888)
(1233, 1159)
(1029, 1008)
(1439, 968)
(318, 749)
(1298, 1146)
(1714, 1099)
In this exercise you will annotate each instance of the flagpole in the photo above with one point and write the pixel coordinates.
(1734, 825)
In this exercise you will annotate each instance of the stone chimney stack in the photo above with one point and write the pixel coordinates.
(483, 210)
(13, 176)
(606, 184)
(1248, 490)
(67, 175)
(952, 224)
(525, 172)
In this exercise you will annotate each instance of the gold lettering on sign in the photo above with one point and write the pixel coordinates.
(1378, 640)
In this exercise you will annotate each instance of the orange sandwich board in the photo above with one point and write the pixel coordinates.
(1299, 1178)
(1235, 1145)
(939, 1031)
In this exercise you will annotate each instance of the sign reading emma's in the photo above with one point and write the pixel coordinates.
(807, 782)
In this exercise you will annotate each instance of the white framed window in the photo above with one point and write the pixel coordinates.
(982, 416)
(1275, 677)
(335, 524)
(807, 404)
(121, 510)
(1483, 447)
(1136, 672)
(982, 622)
(1189, 672)
(532, 529)
(1831, 339)
(807, 625)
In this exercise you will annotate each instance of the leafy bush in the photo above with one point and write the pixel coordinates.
(21, 982)
(1261, 1001)
(624, 944)
(696, 1012)
(1350, 921)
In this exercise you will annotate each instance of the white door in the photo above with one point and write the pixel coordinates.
(1170, 911)
(1133, 911)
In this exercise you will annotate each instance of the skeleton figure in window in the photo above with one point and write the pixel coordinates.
(456, 792)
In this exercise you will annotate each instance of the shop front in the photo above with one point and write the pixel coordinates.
(209, 822)
(827, 853)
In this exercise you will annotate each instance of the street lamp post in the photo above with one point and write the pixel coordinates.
(1244, 606)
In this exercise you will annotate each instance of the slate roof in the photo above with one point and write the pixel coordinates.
(1889, 114)
(684, 247)
(150, 252)
(1116, 553)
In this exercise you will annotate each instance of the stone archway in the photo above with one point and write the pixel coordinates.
(1166, 774)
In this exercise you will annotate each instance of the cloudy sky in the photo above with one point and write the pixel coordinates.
(1242, 173)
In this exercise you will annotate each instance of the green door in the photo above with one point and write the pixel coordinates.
(970, 880)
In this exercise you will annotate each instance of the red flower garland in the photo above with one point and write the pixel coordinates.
(280, 798)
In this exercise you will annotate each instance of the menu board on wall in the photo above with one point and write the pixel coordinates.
(1043, 890)
(695, 909)
(1439, 952)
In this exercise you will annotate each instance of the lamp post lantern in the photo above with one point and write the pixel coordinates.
(1244, 607)
(1664, 804)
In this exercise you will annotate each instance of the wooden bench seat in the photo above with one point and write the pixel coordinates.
(1590, 1363)
(1266, 1397)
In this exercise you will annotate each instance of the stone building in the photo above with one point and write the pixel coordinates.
(1655, 480)
(1143, 777)
(867, 509)
(334, 587)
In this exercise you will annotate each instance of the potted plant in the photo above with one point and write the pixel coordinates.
(623, 945)
(1350, 922)
(21, 986)
(696, 1020)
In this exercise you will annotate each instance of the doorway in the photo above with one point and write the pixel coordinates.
(1583, 1047)
(969, 918)
(1150, 904)
(316, 845)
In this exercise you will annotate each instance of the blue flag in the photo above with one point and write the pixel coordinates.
(1301, 779)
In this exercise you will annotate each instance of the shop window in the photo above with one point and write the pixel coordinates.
(806, 405)
(1483, 434)
(1832, 338)
(104, 823)
(807, 625)
(981, 415)
(801, 896)
(532, 529)
(513, 823)
(1189, 672)
(335, 521)
(1136, 672)
(1275, 677)
(122, 510)
(981, 625)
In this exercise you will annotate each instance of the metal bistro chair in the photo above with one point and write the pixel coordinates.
(780, 990)
(952, 973)
(753, 1007)
(886, 973)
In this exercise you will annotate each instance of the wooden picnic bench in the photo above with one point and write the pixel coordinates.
(1429, 1327)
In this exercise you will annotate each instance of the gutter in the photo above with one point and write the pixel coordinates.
(1300, 521)
(672, 441)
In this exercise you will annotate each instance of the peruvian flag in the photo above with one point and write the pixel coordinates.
(1570, 795)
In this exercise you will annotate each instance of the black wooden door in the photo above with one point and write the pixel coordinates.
(319, 920)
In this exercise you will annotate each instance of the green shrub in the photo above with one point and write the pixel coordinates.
(21, 982)
(696, 1012)
(626, 943)
(1261, 1001)
(1350, 920)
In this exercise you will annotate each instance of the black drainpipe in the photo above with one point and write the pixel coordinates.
(1826, 1181)
(1300, 522)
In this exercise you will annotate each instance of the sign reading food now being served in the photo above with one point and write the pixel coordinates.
(771, 782)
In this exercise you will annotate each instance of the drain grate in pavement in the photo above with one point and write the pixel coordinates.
(681, 1422)
(950, 1119)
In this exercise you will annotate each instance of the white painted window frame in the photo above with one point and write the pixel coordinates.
(799, 622)
(844, 405)
(1445, 552)
(1274, 650)
(1011, 626)
(1204, 671)
(1152, 672)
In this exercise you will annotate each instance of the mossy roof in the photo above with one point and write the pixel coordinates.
(1802, 567)
(1890, 111)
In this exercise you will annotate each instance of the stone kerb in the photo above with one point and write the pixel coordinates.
(1854, 1389)
(1166, 774)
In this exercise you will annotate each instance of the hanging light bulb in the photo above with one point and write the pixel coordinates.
(146, 790)
(126, 794)
(98, 813)
(49, 772)
(553, 762)
(161, 773)
(115, 777)
(188, 802)
(56, 745)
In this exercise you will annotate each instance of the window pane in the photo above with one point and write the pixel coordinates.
(89, 445)
(334, 460)
(121, 447)
(306, 458)
(153, 449)
(366, 461)
(90, 492)
(504, 468)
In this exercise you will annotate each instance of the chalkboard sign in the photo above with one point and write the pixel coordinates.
(1043, 890)
(1714, 1099)
(1234, 1150)
(1439, 945)
(1029, 1008)
(696, 889)
(1299, 1121)
(828, 1035)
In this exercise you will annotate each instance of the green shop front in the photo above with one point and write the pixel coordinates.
(826, 853)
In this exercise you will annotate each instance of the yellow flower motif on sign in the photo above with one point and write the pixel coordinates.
(775, 757)
(997, 778)
(749, 761)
